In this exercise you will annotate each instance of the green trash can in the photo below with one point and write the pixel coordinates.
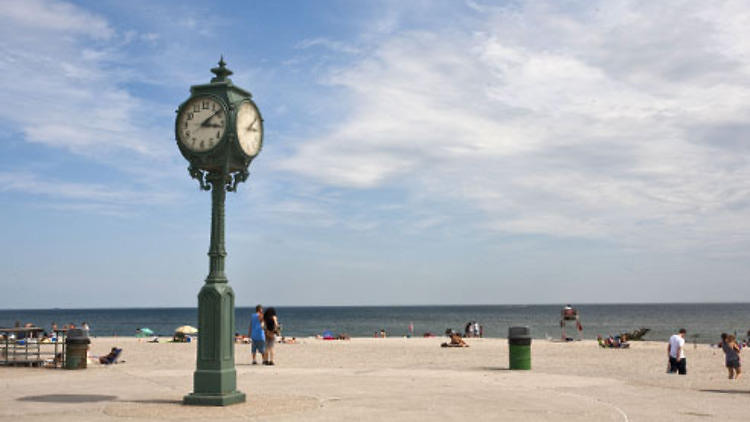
(519, 347)
(76, 347)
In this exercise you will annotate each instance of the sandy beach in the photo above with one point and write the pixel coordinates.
(388, 379)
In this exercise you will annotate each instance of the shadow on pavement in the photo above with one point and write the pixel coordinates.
(68, 398)
(727, 391)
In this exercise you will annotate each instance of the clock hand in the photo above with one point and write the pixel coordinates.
(252, 123)
(205, 122)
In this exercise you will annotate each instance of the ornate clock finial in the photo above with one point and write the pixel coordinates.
(221, 72)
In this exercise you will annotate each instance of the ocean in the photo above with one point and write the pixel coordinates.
(704, 321)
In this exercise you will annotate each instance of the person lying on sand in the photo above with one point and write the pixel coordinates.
(617, 342)
(239, 338)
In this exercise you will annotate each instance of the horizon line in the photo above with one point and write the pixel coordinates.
(385, 306)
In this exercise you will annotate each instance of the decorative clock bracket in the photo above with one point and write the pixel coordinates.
(237, 178)
(200, 176)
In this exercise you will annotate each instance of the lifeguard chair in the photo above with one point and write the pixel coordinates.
(570, 313)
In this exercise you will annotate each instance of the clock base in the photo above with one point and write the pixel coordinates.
(205, 399)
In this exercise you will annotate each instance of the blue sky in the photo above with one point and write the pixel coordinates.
(420, 152)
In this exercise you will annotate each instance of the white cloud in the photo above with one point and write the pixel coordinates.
(90, 197)
(332, 45)
(53, 16)
(590, 122)
(59, 65)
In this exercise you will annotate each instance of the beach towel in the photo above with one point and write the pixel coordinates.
(451, 345)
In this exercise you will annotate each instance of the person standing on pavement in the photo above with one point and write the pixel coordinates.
(676, 353)
(257, 335)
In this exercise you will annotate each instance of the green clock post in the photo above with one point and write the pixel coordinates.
(219, 130)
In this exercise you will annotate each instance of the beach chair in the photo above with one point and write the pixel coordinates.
(111, 358)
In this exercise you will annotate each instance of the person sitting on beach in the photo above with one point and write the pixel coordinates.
(621, 342)
(456, 340)
(111, 357)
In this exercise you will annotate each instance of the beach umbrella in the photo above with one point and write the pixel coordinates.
(186, 329)
(144, 332)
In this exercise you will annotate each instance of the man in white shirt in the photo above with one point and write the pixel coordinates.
(676, 352)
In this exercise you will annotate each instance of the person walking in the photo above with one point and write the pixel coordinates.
(732, 354)
(676, 353)
(257, 335)
(272, 329)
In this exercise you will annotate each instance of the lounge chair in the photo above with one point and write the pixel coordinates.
(111, 358)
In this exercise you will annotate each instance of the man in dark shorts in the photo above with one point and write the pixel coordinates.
(676, 353)
(257, 335)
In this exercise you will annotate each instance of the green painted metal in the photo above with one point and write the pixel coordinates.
(75, 356)
(519, 347)
(520, 356)
(219, 169)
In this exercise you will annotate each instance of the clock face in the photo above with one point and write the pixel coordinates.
(249, 128)
(201, 124)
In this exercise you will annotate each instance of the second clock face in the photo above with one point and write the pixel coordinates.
(249, 128)
(201, 124)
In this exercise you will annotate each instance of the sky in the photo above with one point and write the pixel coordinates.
(420, 152)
